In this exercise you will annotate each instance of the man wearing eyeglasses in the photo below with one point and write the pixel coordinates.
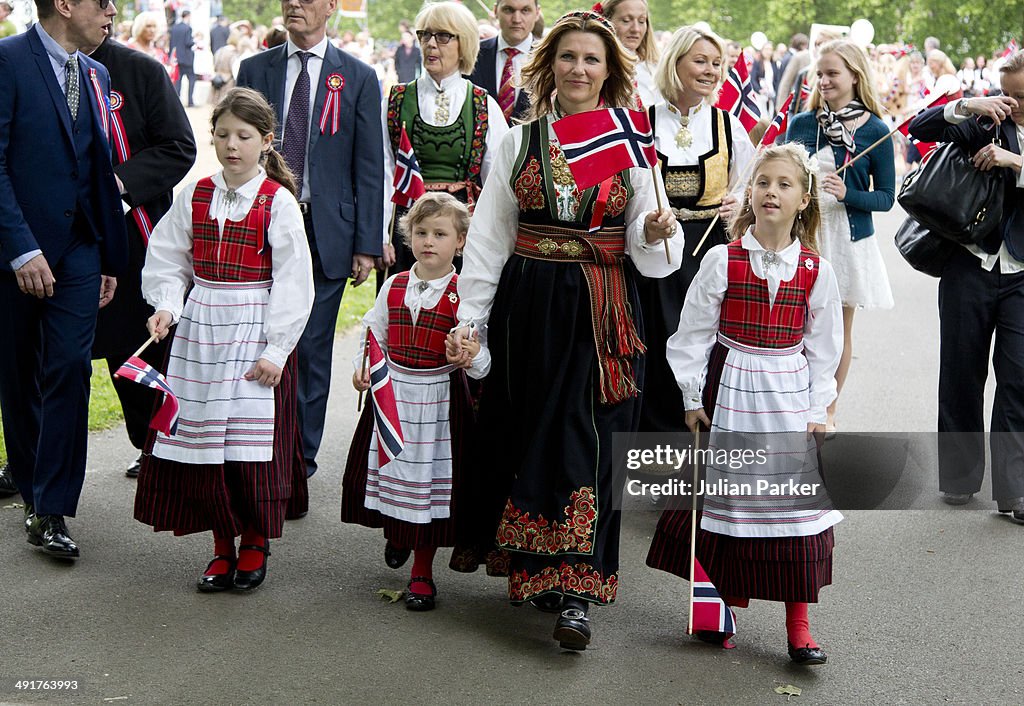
(328, 112)
(62, 234)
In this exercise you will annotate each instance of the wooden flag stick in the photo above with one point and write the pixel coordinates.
(705, 236)
(883, 139)
(362, 367)
(489, 11)
(657, 194)
(144, 346)
(693, 525)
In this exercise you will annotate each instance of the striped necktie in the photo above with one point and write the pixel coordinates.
(507, 90)
(71, 85)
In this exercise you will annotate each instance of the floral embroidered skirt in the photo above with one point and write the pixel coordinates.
(547, 437)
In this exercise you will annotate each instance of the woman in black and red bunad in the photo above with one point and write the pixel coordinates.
(559, 302)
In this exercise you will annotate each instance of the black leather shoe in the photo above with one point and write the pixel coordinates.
(572, 630)
(420, 601)
(395, 557)
(133, 470)
(212, 583)
(30, 516)
(248, 580)
(7, 484)
(548, 603)
(51, 533)
(712, 637)
(807, 655)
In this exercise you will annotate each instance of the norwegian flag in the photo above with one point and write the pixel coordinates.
(805, 92)
(709, 610)
(923, 147)
(138, 370)
(408, 180)
(737, 96)
(778, 126)
(1011, 49)
(600, 143)
(386, 423)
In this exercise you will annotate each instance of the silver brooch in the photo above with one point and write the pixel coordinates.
(423, 287)
(230, 197)
(769, 258)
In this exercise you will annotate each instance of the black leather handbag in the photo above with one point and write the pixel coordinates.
(922, 249)
(950, 196)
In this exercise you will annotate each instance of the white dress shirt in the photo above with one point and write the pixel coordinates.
(689, 349)
(314, 65)
(168, 271)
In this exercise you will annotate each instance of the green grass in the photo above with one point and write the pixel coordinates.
(105, 409)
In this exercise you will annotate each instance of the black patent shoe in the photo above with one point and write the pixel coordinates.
(712, 637)
(807, 655)
(395, 557)
(548, 603)
(420, 601)
(51, 533)
(30, 516)
(213, 583)
(248, 580)
(572, 630)
(7, 485)
(133, 470)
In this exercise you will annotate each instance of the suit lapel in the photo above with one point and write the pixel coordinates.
(331, 65)
(60, 101)
(277, 77)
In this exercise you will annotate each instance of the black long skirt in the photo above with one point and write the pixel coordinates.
(548, 438)
(447, 532)
(773, 569)
(232, 497)
(662, 302)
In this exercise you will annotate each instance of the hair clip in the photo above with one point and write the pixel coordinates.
(598, 8)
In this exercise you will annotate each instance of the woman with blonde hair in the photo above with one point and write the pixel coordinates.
(843, 121)
(631, 21)
(556, 302)
(147, 27)
(454, 126)
(703, 152)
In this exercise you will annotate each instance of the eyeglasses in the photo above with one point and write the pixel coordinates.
(104, 4)
(441, 38)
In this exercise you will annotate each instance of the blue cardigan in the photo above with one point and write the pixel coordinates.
(879, 165)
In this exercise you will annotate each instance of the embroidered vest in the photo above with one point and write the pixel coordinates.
(705, 184)
(445, 154)
(422, 345)
(242, 253)
(746, 316)
(546, 190)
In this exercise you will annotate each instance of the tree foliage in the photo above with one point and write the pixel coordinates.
(965, 27)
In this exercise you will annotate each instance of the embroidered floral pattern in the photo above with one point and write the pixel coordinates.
(529, 187)
(476, 150)
(581, 579)
(519, 531)
(394, 109)
(617, 197)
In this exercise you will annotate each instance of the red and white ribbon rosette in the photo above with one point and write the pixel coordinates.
(332, 105)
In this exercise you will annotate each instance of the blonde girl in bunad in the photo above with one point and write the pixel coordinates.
(418, 497)
(756, 352)
(230, 265)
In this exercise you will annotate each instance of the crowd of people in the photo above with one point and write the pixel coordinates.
(523, 318)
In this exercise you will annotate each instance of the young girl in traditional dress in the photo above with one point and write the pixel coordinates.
(238, 241)
(415, 497)
(759, 340)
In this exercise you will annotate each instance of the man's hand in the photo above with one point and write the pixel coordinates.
(362, 265)
(35, 278)
(107, 287)
(996, 107)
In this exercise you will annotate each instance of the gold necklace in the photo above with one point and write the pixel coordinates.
(684, 138)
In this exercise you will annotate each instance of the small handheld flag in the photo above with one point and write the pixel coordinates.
(737, 97)
(708, 609)
(778, 126)
(386, 422)
(598, 144)
(138, 370)
(408, 179)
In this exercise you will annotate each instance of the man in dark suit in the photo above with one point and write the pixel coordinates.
(183, 48)
(502, 58)
(219, 34)
(62, 235)
(153, 150)
(335, 149)
(408, 58)
(981, 293)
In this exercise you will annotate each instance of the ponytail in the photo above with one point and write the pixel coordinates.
(277, 169)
